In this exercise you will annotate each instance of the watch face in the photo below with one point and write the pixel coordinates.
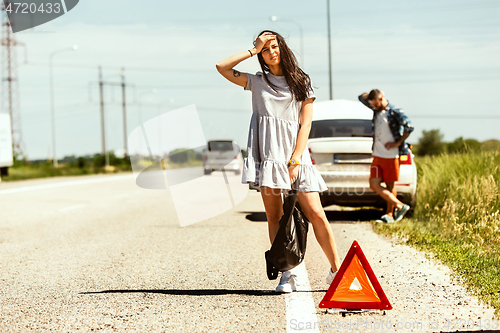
(293, 162)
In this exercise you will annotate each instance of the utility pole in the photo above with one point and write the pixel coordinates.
(9, 80)
(124, 86)
(329, 49)
(124, 112)
(103, 131)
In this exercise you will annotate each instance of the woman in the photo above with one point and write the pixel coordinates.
(277, 153)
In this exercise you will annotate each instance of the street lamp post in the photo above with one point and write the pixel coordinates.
(302, 55)
(329, 49)
(52, 112)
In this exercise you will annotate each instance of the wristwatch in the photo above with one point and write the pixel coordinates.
(294, 162)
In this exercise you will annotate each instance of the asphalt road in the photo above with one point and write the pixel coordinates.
(99, 253)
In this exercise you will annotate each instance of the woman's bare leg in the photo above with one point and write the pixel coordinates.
(274, 209)
(312, 208)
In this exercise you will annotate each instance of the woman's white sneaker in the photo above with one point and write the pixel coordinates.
(330, 277)
(288, 283)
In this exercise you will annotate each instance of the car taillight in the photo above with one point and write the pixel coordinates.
(405, 159)
(205, 157)
(312, 159)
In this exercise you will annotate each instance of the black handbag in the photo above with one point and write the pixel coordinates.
(289, 245)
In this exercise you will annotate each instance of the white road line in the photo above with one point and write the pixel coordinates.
(69, 208)
(65, 184)
(300, 307)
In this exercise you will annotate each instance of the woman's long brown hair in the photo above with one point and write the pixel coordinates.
(298, 81)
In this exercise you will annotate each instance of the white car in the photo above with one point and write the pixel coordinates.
(340, 145)
(222, 154)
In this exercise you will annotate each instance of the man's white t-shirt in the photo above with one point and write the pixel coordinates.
(382, 136)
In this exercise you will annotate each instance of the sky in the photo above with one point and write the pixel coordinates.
(439, 61)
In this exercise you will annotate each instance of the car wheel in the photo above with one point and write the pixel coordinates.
(208, 172)
(237, 172)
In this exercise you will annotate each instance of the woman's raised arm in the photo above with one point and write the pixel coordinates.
(226, 66)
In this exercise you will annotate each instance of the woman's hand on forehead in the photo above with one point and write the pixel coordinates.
(262, 40)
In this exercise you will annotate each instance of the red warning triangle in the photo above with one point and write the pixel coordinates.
(355, 286)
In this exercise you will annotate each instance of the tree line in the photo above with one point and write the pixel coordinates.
(432, 143)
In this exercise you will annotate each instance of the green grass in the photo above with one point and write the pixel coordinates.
(22, 171)
(458, 218)
(33, 171)
(191, 164)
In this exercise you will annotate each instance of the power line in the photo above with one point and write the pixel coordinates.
(201, 108)
(350, 72)
(383, 81)
(134, 69)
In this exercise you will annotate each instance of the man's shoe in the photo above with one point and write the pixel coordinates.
(287, 283)
(399, 213)
(330, 277)
(385, 219)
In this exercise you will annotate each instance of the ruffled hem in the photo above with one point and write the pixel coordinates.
(274, 174)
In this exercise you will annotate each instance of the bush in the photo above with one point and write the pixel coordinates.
(182, 155)
(82, 162)
(431, 143)
(464, 146)
(115, 161)
(490, 145)
(98, 161)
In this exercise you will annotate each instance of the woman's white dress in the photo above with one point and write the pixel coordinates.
(272, 137)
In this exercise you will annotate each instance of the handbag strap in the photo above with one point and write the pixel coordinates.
(295, 187)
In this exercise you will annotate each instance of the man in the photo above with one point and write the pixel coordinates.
(391, 127)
